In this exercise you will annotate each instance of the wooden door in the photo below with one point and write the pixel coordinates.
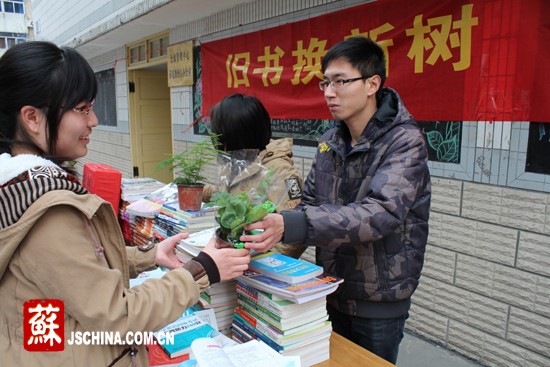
(150, 121)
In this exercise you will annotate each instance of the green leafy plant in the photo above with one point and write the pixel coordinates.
(189, 164)
(237, 210)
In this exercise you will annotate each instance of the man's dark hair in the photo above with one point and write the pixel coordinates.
(363, 54)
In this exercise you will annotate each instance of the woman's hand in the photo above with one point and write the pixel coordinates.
(273, 228)
(166, 255)
(231, 262)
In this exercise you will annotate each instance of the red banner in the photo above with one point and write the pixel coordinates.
(478, 60)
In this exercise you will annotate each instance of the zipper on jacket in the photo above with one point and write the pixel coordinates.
(133, 353)
(124, 352)
(130, 350)
(344, 182)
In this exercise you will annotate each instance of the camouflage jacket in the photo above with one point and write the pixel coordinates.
(366, 209)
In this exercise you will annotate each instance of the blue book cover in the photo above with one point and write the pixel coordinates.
(185, 329)
(302, 292)
(284, 268)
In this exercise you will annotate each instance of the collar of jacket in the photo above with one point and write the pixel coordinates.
(389, 114)
(11, 167)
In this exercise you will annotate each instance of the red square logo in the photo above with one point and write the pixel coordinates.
(43, 325)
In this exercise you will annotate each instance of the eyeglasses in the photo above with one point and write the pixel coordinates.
(85, 109)
(338, 83)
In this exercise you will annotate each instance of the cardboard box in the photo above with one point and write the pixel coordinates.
(104, 181)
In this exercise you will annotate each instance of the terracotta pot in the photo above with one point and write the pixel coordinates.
(190, 196)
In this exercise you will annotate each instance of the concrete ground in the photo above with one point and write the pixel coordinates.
(417, 352)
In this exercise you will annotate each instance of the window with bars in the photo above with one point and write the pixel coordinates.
(538, 145)
(8, 40)
(105, 102)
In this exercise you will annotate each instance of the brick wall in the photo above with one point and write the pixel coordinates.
(109, 148)
(485, 288)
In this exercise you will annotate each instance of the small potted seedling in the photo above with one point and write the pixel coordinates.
(234, 212)
(189, 168)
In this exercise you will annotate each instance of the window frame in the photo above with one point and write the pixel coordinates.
(14, 5)
(146, 47)
(106, 101)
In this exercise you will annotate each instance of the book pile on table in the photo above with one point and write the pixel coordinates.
(174, 340)
(136, 218)
(125, 222)
(191, 246)
(290, 316)
(133, 189)
(171, 220)
(142, 230)
(220, 297)
(195, 322)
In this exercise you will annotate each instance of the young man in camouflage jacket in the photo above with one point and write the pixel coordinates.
(365, 202)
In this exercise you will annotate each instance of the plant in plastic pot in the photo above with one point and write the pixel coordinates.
(234, 212)
(189, 168)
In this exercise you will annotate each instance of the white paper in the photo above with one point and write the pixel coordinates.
(209, 316)
(151, 274)
(209, 353)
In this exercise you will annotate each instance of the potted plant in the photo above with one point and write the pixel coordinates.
(234, 212)
(189, 168)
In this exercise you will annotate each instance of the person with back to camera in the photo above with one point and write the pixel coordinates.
(365, 203)
(60, 242)
(241, 122)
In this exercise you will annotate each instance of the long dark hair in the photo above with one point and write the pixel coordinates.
(44, 76)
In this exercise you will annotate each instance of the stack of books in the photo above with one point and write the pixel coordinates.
(133, 189)
(288, 313)
(137, 218)
(142, 230)
(222, 298)
(172, 220)
(125, 222)
(191, 246)
(173, 342)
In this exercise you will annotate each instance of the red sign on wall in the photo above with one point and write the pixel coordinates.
(478, 60)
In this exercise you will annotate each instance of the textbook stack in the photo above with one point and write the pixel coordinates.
(133, 189)
(139, 201)
(192, 325)
(191, 246)
(142, 230)
(289, 316)
(220, 297)
(171, 220)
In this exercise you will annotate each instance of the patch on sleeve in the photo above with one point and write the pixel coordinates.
(293, 188)
(323, 147)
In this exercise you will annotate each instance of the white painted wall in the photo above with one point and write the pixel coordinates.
(15, 23)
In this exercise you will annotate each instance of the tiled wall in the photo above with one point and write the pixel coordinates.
(485, 288)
